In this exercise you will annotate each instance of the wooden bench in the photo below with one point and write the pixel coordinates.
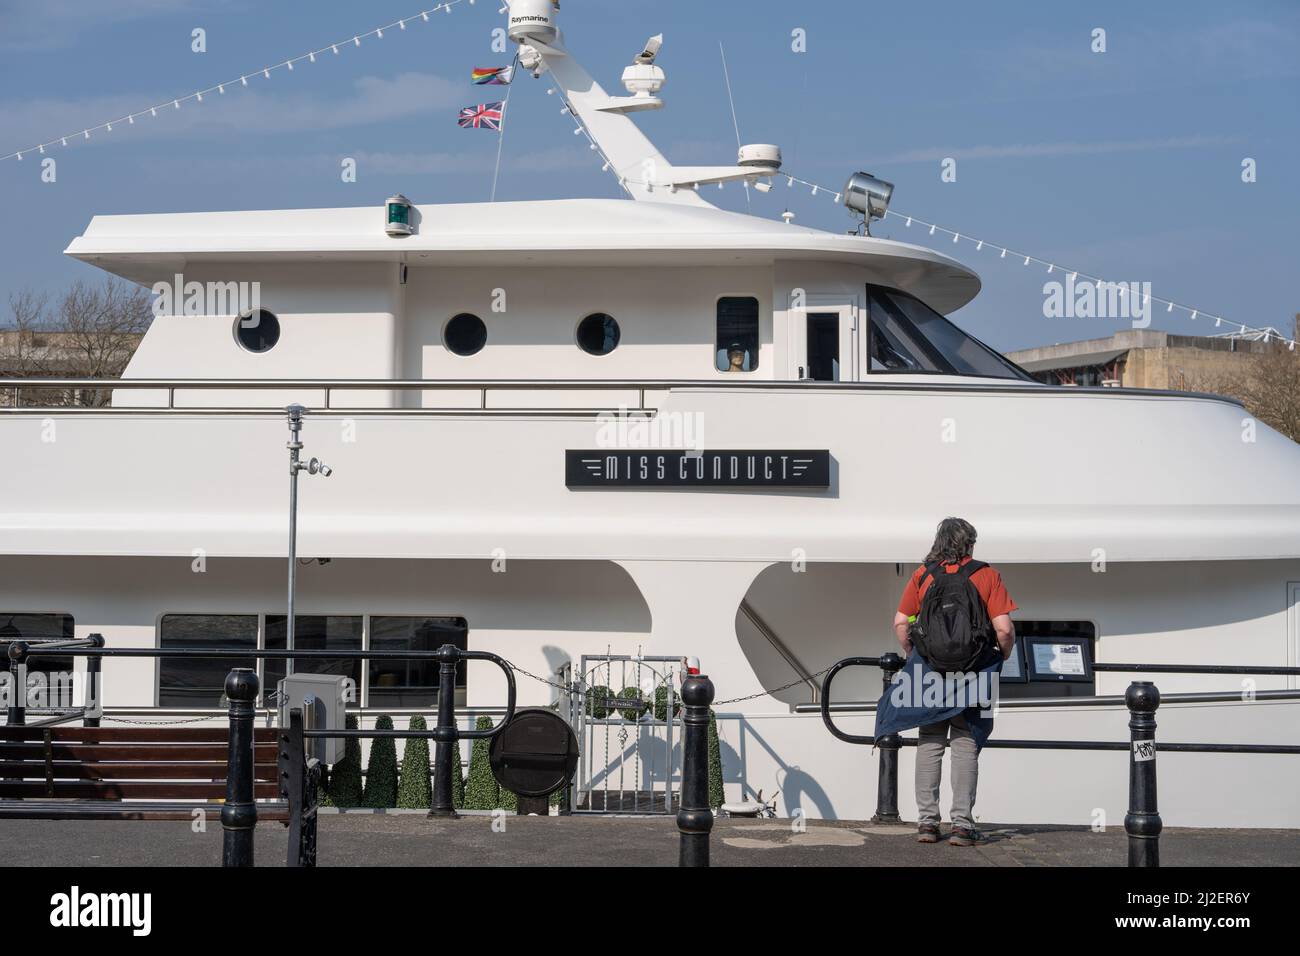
(129, 773)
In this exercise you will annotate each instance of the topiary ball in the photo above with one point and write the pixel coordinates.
(597, 697)
(661, 704)
(632, 713)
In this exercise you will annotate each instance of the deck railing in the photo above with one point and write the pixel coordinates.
(485, 396)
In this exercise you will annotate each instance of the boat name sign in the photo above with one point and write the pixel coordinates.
(664, 468)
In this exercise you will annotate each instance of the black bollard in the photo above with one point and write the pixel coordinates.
(1142, 822)
(19, 651)
(889, 745)
(446, 734)
(94, 665)
(239, 814)
(694, 818)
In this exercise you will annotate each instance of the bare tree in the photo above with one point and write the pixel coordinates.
(91, 332)
(1268, 385)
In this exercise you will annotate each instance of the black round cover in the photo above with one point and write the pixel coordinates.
(536, 754)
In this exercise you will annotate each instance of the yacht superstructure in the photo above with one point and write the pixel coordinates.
(648, 427)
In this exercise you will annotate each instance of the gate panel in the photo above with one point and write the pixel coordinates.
(627, 717)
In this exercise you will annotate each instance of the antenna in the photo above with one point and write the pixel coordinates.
(726, 75)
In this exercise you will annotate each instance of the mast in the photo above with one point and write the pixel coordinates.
(645, 173)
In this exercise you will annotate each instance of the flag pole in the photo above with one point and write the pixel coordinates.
(501, 135)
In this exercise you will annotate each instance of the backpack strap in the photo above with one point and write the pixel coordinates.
(971, 567)
(931, 572)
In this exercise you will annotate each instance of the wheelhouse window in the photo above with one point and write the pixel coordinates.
(409, 683)
(37, 629)
(313, 633)
(196, 681)
(906, 335)
(737, 338)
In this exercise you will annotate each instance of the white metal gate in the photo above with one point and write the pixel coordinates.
(627, 717)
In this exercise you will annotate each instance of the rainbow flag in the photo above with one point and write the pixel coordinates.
(492, 75)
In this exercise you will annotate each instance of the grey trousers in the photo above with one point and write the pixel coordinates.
(929, 771)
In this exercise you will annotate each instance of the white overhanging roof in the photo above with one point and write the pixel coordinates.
(588, 232)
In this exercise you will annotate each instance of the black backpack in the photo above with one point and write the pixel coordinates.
(953, 631)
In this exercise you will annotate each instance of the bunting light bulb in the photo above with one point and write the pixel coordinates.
(956, 236)
(380, 34)
(1026, 260)
(335, 48)
(425, 15)
(221, 88)
(176, 103)
(130, 122)
(1004, 254)
(979, 245)
(266, 73)
(110, 127)
(357, 40)
(199, 97)
(401, 24)
(1170, 308)
(311, 57)
(932, 230)
(1050, 267)
(242, 79)
(289, 64)
(909, 222)
(1193, 313)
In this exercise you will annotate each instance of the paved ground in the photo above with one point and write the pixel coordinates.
(414, 840)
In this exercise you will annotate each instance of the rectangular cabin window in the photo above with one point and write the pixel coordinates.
(737, 343)
(1068, 630)
(37, 629)
(312, 632)
(196, 681)
(407, 683)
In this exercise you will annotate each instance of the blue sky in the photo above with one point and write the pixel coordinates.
(1124, 164)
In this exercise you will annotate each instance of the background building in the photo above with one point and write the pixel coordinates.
(1148, 358)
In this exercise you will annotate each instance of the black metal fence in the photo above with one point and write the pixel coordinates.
(298, 774)
(1142, 822)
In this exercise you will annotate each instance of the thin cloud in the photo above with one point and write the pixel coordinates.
(929, 154)
(241, 110)
(51, 24)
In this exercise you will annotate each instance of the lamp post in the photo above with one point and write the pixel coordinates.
(313, 467)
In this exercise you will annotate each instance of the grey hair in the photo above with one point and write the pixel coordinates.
(954, 540)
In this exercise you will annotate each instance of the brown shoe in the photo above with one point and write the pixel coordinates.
(963, 836)
(927, 833)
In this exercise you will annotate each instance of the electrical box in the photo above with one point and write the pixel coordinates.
(320, 697)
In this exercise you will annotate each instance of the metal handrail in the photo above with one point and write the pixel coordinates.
(328, 386)
(780, 647)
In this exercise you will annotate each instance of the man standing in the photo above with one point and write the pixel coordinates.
(951, 564)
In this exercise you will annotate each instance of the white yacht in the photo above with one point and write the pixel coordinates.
(594, 435)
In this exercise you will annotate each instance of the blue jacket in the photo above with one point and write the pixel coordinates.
(919, 695)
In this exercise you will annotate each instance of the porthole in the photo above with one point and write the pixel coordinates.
(598, 334)
(257, 330)
(465, 334)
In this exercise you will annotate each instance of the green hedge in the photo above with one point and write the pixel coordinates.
(381, 777)
(717, 795)
(481, 789)
(413, 789)
(343, 788)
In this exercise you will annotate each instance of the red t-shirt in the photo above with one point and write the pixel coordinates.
(987, 582)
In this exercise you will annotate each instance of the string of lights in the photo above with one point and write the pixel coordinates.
(1004, 252)
(240, 81)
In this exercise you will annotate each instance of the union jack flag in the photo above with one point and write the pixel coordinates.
(485, 116)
